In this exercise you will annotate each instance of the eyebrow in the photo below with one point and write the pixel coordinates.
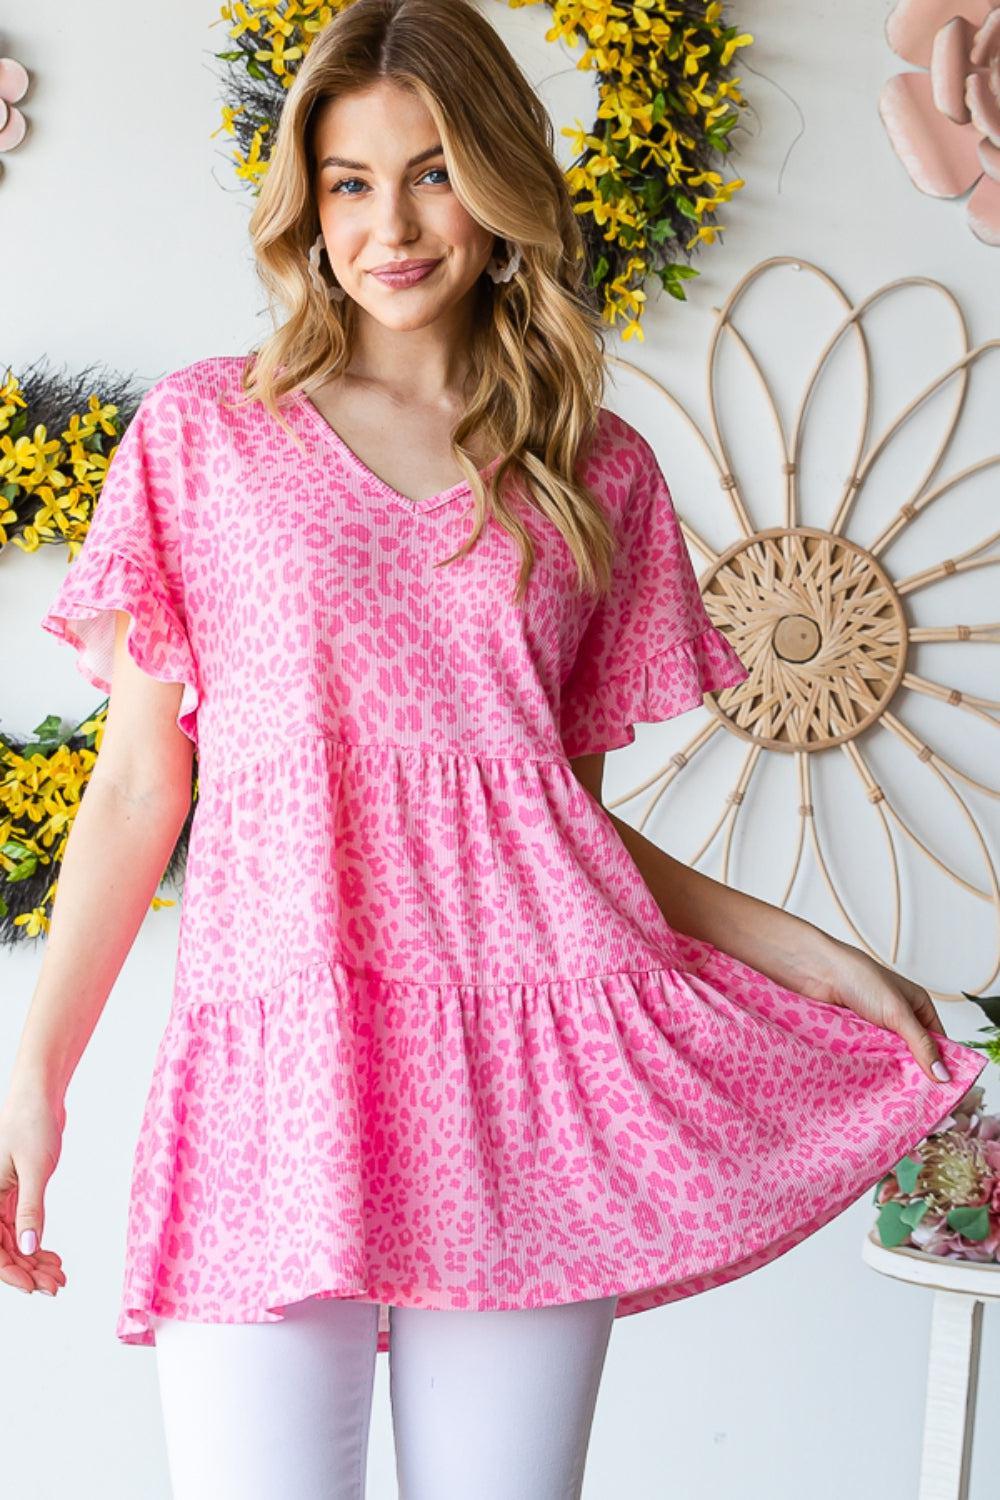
(360, 166)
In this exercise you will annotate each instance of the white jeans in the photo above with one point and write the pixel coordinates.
(493, 1405)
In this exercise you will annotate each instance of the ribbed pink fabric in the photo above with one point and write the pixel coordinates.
(432, 1042)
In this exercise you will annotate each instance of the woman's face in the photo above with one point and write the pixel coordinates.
(378, 205)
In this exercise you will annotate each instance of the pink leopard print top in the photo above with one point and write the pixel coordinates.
(432, 1042)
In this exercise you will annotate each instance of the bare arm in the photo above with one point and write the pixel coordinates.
(123, 834)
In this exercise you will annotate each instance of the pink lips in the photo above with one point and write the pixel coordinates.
(407, 277)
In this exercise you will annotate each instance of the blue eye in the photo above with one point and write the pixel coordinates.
(345, 181)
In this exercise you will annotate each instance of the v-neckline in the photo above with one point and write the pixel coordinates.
(373, 480)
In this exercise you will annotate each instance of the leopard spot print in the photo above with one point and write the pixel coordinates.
(432, 1042)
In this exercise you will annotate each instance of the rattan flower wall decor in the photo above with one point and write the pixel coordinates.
(645, 179)
(823, 622)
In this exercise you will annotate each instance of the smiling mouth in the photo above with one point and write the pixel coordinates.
(394, 267)
(406, 275)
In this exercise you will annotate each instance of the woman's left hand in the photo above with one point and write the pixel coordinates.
(878, 994)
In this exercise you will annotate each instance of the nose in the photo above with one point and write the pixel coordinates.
(395, 220)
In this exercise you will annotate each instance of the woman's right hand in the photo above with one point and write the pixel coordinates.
(30, 1144)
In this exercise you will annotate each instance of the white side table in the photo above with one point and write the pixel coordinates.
(960, 1288)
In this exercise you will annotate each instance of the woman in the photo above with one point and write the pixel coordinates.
(447, 1040)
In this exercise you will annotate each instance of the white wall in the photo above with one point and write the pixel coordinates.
(125, 240)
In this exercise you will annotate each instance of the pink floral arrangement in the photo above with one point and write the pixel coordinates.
(944, 124)
(946, 1200)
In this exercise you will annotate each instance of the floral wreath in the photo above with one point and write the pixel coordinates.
(644, 182)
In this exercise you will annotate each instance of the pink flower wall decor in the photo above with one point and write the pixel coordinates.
(13, 86)
(944, 123)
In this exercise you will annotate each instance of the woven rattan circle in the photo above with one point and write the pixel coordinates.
(822, 630)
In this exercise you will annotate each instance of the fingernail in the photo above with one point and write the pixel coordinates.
(940, 1070)
(28, 1242)
(45, 1291)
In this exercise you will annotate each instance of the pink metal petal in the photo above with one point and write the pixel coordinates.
(984, 107)
(949, 65)
(13, 80)
(986, 42)
(983, 209)
(989, 155)
(13, 132)
(4, 112)
(939, 155)
(911, 27)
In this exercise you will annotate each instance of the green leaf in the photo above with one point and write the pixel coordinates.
(718, 142)
(971, 1223)
(914, 1211)
(892, 1227)
(49, 728)
(669, 285)
(599, 271)
(907, 1172)
(990, 1004)
(675, 273)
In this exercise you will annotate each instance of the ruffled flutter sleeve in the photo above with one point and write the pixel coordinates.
(130, 560)
(649, 650)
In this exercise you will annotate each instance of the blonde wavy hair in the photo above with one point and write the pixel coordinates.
(537, 355)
